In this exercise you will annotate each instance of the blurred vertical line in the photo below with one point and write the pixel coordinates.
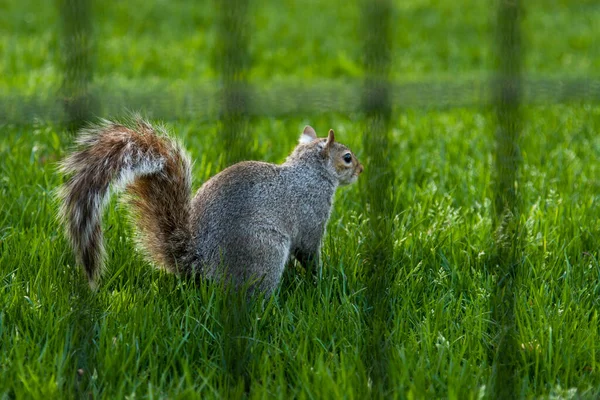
(77, 55)
(77, 66)
(507, 102)
(233, 61)
(377, 186)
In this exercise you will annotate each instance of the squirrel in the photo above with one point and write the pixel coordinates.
(243, 224)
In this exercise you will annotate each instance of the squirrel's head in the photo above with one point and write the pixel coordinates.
(338, 159)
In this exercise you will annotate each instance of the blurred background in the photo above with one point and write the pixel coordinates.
(172, 59)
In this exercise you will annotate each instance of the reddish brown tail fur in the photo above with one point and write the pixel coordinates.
(153, 169)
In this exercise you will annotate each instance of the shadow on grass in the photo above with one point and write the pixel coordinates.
(235, 310)
(83, 334)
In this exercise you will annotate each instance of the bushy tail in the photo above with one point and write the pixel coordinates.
(153, 169)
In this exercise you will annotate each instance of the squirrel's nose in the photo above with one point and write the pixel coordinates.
(359, 169)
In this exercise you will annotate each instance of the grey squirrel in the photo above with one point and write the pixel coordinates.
(243, 224)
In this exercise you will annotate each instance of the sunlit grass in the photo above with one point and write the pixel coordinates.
(148, 332)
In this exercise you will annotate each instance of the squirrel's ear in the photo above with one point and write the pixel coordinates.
(328, 144)
(308, 135)
(330, 139)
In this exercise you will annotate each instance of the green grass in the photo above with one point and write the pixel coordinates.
(150, 334)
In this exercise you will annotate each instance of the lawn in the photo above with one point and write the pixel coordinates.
(149, 334)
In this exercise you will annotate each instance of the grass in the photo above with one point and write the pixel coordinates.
(149, 334)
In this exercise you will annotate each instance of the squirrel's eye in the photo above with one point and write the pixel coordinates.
(347, 158)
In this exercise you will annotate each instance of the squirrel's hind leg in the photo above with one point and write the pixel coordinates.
(257, 263)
